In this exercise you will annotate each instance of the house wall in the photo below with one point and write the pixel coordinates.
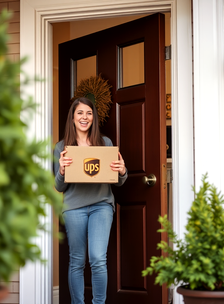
(35, 279)
(13, 54)
(62, 32)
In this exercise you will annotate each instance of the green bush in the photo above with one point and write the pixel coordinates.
(198, 260)
(25, 186)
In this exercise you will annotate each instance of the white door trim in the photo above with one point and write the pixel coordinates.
(36, 42)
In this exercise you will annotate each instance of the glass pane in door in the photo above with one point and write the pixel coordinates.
(131, 65)
(82, 69)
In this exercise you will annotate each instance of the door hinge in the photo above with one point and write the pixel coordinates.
(168, 52)
(169, 175)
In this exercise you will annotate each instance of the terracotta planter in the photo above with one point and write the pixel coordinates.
(3, 292)
(201, 297)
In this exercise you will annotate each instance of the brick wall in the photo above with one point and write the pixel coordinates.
(13, 54)
(13, 297)
(14, 27)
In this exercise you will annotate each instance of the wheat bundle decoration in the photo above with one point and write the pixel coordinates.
(98, 91)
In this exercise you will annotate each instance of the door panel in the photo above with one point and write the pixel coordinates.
(132, 234)
(137, 125)
(129, 113)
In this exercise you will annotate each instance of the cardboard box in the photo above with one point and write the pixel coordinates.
(91, 165)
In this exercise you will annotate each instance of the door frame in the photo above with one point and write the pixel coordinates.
(36, 18)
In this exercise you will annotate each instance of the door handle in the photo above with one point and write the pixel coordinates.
(149, 180)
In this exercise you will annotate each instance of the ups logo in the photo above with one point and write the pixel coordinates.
(91, 166)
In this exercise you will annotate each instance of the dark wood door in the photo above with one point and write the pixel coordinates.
(137, 124)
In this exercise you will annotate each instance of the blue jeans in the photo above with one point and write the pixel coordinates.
(92, 224)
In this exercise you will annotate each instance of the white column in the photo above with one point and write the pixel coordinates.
(208, 31)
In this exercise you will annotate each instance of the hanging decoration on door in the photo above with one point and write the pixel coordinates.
(98, 91)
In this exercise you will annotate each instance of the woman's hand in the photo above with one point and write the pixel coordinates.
(119, 165)
(64, 162)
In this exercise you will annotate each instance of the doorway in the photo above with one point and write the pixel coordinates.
(37, 34)
(77, 29)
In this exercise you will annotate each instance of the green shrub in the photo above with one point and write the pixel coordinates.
(25, 186)
(198, 260)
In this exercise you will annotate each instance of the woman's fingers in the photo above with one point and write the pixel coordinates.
(64, 159)
(64, 162)
(63, 153)
(119, 165)
(120, 156)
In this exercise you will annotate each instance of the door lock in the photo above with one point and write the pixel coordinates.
(149, 180)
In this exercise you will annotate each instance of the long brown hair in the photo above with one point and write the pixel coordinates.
(94, 135)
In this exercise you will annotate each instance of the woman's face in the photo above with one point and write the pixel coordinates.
(83, 118)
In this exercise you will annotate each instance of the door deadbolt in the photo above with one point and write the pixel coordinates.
(149, 180)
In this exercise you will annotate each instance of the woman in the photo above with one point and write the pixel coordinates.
(88, 209)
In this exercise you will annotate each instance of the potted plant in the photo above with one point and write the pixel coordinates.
(25, 186)
(197, 262)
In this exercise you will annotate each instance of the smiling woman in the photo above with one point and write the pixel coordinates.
(88, 209)
(83, 119)
(83, 115)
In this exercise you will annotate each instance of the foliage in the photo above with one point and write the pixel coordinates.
(198, 260)
(25, 186)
